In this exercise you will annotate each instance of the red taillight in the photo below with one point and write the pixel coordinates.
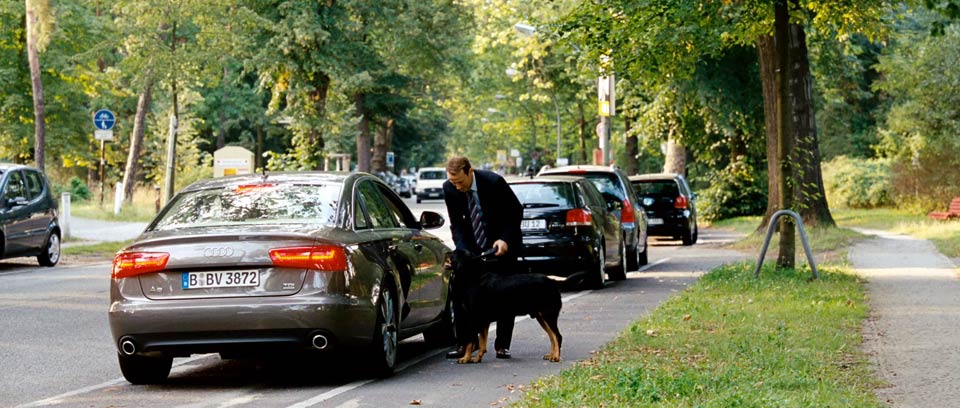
(579, 217)
(129, 264)
(680, 202)
(249, 188)
(320, 257)
(628, 215)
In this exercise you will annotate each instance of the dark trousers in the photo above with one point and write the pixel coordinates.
(466, 283)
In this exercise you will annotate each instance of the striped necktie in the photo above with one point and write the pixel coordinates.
(476, 218)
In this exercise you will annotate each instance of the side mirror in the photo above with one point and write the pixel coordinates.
(431, 220)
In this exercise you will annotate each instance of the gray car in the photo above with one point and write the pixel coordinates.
(280, 263)
(29, 224)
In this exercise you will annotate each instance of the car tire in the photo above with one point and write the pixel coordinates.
(687, 237)
(385, 335)
(144, 370)
(50, 253)
(620, 272)
(642, 258)
(696, 233)
(599, 280)
(444, 332)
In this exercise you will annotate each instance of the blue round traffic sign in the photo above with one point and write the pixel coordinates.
(103, 119)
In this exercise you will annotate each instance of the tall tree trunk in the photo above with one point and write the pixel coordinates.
(811, 201)
(381, 145)
(363, 138)
(631, 148)
(222, 133)
(767, 53)
(787, 257)
(39, 109)
(136, 142)
(313, 153)
(258, 159)
(582, 133)
(676, 156)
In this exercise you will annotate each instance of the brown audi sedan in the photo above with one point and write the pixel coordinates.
(279, 263)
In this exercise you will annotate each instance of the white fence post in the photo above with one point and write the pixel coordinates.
(65, 220)
(117, 198)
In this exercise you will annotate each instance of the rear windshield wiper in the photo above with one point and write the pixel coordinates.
(539, 205)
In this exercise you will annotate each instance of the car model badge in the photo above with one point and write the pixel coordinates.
(289, 286)
(222, 252)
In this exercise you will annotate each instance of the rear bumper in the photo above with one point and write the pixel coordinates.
(558, 255)
(673, 225)
(239, 325)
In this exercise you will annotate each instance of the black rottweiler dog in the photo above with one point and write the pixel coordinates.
(490, 295)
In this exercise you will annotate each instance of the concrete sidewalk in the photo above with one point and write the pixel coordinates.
(913, 331)
(91, 230)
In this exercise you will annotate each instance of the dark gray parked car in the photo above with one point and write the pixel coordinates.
(614, 185)
(28, 213)
(287, 262)
(670, 205)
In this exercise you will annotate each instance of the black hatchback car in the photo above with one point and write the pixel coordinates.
(28, 213)
(670, 204)
(614, 185)
(567, 228)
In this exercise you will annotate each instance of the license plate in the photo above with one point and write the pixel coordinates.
(533, 224)
(219, 279)
(655, 221)
(434, 194)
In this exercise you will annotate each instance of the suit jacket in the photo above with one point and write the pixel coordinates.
(502, 213)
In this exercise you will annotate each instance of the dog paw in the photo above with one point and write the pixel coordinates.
(552, 358)
(464, 360)
(476, 360)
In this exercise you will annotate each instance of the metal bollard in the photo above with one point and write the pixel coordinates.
(117, 198)
(803, 239)
(65, 214)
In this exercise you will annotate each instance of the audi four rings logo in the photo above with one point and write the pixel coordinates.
(221, 252)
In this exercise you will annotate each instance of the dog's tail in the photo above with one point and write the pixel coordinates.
(574, 281)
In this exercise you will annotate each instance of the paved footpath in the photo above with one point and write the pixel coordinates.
(913, 332)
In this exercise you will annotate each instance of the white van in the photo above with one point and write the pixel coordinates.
(430, 183)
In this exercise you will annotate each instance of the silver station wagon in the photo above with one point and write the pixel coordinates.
(279, 263)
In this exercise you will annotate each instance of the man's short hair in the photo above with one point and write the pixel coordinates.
(458, 164)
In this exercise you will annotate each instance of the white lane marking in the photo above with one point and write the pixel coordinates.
(59, 398)
(651, 265)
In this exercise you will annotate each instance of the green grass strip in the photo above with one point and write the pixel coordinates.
(731, 341)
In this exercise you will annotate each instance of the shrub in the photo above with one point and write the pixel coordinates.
(734, 191)
(77, 188)
(858, 183)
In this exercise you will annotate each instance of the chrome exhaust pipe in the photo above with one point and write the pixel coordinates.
(319, 342)
(127, 347)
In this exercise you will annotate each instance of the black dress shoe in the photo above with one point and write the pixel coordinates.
(503, 353)
(456, 353)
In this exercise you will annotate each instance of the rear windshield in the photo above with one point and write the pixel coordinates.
(433, 175)
(660, 188)
(607, 185)
(536, 195)
(257, 204)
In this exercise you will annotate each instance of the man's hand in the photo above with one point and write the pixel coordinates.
(501, 247)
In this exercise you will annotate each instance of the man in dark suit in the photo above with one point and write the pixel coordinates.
(484, 213)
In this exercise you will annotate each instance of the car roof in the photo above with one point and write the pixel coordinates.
(432, 169)
(587, 167)
(11, 166)
(552, 178)
(656, 176)
(306, 177)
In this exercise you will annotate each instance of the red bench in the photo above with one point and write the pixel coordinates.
(953, 212)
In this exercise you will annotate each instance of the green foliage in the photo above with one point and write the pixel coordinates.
(921, 128)
(77, 188)
(858, 183)
(731, 340)
(732, 192)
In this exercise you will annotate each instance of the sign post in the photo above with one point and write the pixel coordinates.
(103, 120)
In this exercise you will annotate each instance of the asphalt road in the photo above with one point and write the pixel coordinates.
(56, 350)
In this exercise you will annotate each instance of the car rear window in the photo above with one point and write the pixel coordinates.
(607, 184)
(262, 203)
(534, 195)
(432, 175)
(663, 188)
